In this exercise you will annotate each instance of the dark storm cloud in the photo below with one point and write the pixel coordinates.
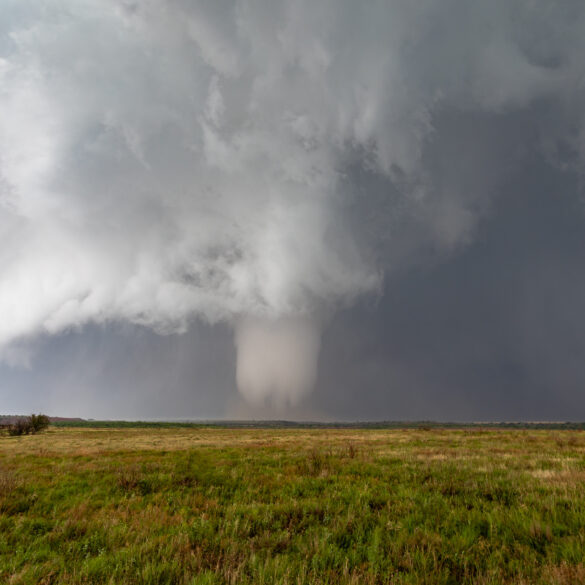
(264, 166)
(127, 372)
(495, 331)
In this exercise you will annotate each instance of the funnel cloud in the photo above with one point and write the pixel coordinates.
(271, 168)
(277, 360)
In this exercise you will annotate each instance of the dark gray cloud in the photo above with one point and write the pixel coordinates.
(395, 186)
(495, 331)
(127, 372)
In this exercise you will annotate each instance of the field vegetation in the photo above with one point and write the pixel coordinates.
(204, 505)
(28, 425)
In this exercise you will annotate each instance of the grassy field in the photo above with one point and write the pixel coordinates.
(212, 505)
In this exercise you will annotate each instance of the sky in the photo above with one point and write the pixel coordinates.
(304, 210)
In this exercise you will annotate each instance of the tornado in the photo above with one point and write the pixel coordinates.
(277, 359)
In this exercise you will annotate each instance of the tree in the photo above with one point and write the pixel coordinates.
(39, 422)
(29, 425)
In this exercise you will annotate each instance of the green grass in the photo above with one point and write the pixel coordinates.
(194, 505)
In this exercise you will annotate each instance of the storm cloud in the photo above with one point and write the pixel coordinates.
(272, 168)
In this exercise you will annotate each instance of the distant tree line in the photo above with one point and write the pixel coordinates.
(28, 425)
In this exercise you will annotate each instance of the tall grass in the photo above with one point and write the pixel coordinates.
(208, 505)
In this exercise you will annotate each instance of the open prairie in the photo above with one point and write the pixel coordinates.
(214, 505)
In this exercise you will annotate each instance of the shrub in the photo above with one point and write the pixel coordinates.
(39, 422)
(30, 425)
(20, 427)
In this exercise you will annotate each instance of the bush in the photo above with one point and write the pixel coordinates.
(30, 425)
(20, 427)
(39, 422)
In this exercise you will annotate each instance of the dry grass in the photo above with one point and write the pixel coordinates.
(8, 482)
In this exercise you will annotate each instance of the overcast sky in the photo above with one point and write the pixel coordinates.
(312, 210)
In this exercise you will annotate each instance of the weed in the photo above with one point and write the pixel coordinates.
(128, 478)
(352, 450)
